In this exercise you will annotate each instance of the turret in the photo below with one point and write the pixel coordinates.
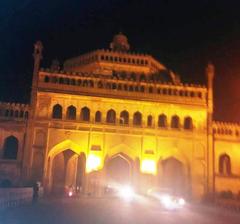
(210, 72)
(37, 55)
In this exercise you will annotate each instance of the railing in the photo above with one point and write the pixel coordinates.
(166, 93)
(13, 197)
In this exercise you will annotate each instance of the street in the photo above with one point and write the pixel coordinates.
(113, 210)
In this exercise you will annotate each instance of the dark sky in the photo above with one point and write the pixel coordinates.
(183, 35)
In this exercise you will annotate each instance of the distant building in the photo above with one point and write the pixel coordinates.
(117, 117)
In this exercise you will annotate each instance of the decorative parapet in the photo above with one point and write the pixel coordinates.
(90, 82)
(14, 111)
(226, 129)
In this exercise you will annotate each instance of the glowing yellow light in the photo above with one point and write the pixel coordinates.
(148, 166)
(93, 163)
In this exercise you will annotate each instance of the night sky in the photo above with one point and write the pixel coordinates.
(183, 35)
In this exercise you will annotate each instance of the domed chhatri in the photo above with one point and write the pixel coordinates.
(120, 43)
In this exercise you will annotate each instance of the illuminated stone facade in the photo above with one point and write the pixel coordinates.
(115, 117)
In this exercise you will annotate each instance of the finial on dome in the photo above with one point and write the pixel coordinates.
(120, 43)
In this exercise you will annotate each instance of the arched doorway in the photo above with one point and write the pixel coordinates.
(173, 176)
(58, 173)
(81, 167)
(119, 170)
(68, 169)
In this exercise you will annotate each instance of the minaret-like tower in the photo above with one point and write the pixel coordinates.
(37, 55)
(27, 157)
(210, 72)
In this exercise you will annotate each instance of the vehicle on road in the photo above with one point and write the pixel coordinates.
(167, 199)
(125, 192)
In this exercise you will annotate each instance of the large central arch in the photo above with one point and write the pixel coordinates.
(173, 176)
(119, 169)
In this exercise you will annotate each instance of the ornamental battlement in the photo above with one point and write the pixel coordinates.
(14, 111)
(129, 85)
(226, 129)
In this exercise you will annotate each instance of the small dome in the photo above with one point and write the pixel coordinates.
(120, 43)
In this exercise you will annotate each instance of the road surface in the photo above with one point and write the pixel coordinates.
(113, 210)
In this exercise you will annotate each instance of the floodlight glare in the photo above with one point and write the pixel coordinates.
(126, 192)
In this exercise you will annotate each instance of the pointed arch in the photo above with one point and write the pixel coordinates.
(225, 165)
(64, 145)
(111, 116)
(188, 124)
(57, 111)
(71, 113)
(149, 121)
(137, 119)
(124, 117)
(162, 121)
(85, 114)
(98, 116)
(10, 148)
(175, 122)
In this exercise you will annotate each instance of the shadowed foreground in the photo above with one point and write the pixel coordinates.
(112, 210)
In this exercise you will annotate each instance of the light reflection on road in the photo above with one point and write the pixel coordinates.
(113, 210)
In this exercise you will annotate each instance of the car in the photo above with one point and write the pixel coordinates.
(125, 192)
(167, 199)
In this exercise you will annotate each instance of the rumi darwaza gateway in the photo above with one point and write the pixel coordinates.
(114, 117)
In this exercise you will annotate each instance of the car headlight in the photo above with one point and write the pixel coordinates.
(166, 200)
(181, 202)
(126, 192)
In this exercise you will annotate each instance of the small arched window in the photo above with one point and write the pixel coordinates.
(73, 82)
(142, 78)
(16, 113)
(61, 80)
(11, 113)
(149, 121)
(85, 83)
(111, 116)
(124, 117)
(137, 119)
(90, 83)
(71, 113)
(79, 82)
(175, 122)
(225, 165)
(10, 148)
(46, 79)
(57, 111)
(26, 114)
(188, 124)
(98, 116)
(119, 87)
(21, 114)
(67, 81)
(100, 85)
(150, 90)
(6, 113)
(162, 121)
(85, 114)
